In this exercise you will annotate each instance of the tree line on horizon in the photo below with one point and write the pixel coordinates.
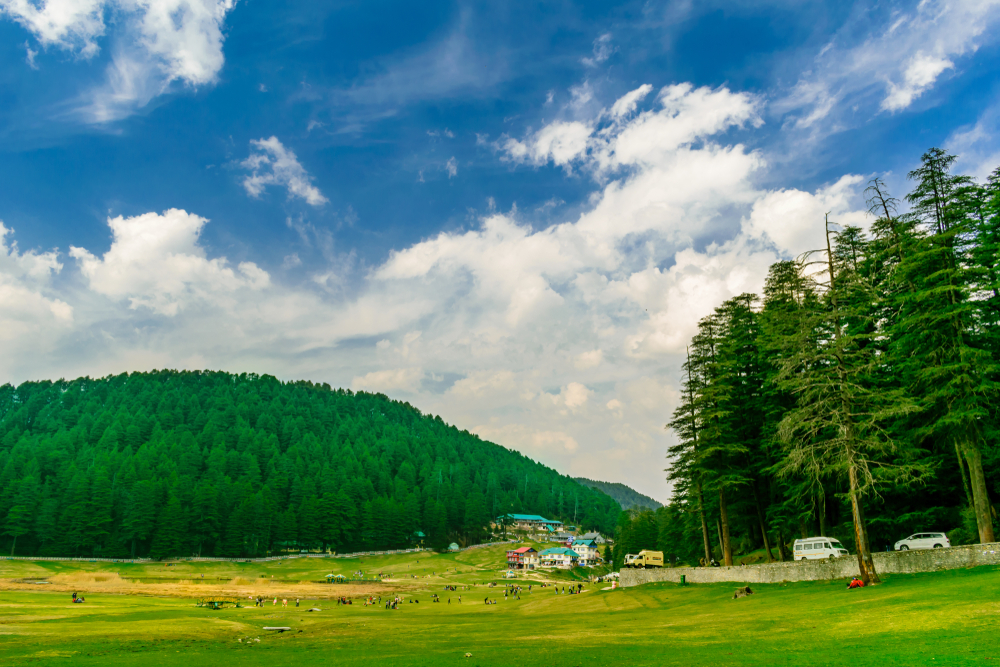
(172, 463)
(855, 398)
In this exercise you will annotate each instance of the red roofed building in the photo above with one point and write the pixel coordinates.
(524, 558)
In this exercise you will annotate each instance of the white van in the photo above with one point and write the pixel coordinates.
(818, 548)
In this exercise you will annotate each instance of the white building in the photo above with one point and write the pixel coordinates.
(559, 557)
(588, 552)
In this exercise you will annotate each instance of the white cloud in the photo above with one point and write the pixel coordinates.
(29, 56)
(392, 380)
(69, 24)
(560, 142)
(793, 220)
(603, 49)
(451, 167)
(273, 164)
(563, 341)
(978, 146)
(626, 104)
(157, 43)
(155, 262)
(897, 61)
(590, 359)
(685, 115)
(29, 314)
(581, 96)
(575, 395)
(921, 73)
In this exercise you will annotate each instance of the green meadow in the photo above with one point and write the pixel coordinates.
(945, 618)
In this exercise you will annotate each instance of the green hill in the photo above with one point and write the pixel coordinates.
(173, 463)
(625, 496)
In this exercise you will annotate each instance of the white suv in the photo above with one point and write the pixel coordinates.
(923, 541)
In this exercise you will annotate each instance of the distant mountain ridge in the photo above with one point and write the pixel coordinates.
(626, 496)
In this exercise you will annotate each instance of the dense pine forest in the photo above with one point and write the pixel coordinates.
(179, 463)
(856, 398)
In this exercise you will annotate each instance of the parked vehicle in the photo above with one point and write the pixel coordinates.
(923, 541)
(818, 548)
(644, 559)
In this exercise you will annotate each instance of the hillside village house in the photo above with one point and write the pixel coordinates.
(562, 537)
(558, 557)
(529, 522)
(524, 558)
(597, 537)
(588, 552)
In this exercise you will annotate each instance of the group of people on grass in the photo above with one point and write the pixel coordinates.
(259, 601)
(578, 587)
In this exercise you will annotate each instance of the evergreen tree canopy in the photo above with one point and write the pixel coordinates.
(859, 400)
(173, 463)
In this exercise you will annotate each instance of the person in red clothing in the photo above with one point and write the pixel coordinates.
(855, 583)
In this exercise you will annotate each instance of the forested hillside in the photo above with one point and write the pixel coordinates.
(178, 463)
(626, 496)
(858, 397)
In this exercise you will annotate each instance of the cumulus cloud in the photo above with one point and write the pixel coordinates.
(74, 25)
(897, 62)
(793, 220)
(685, 115)
(271, 163)
(390, 381)
(561, 341)
(590, 359)
(155, 262)
(157, 43)
(35, 313)
(26, 308)
(560, 142)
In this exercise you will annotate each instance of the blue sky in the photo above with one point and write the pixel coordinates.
(510, 214)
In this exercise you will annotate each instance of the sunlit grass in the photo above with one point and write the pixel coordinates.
(939, 618)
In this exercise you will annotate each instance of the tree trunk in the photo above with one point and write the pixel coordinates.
(865, 563)
(763, 524)
(821, 509)
(980, 494)
(133, 548)
(781, 545)
(704, 525)
(965, 478)
(727, 549)
(14, 544)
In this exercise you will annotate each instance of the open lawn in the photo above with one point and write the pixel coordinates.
(947, 618)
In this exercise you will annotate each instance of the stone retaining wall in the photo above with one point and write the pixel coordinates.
(844, 567)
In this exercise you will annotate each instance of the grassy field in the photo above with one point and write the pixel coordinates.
(146, 616)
